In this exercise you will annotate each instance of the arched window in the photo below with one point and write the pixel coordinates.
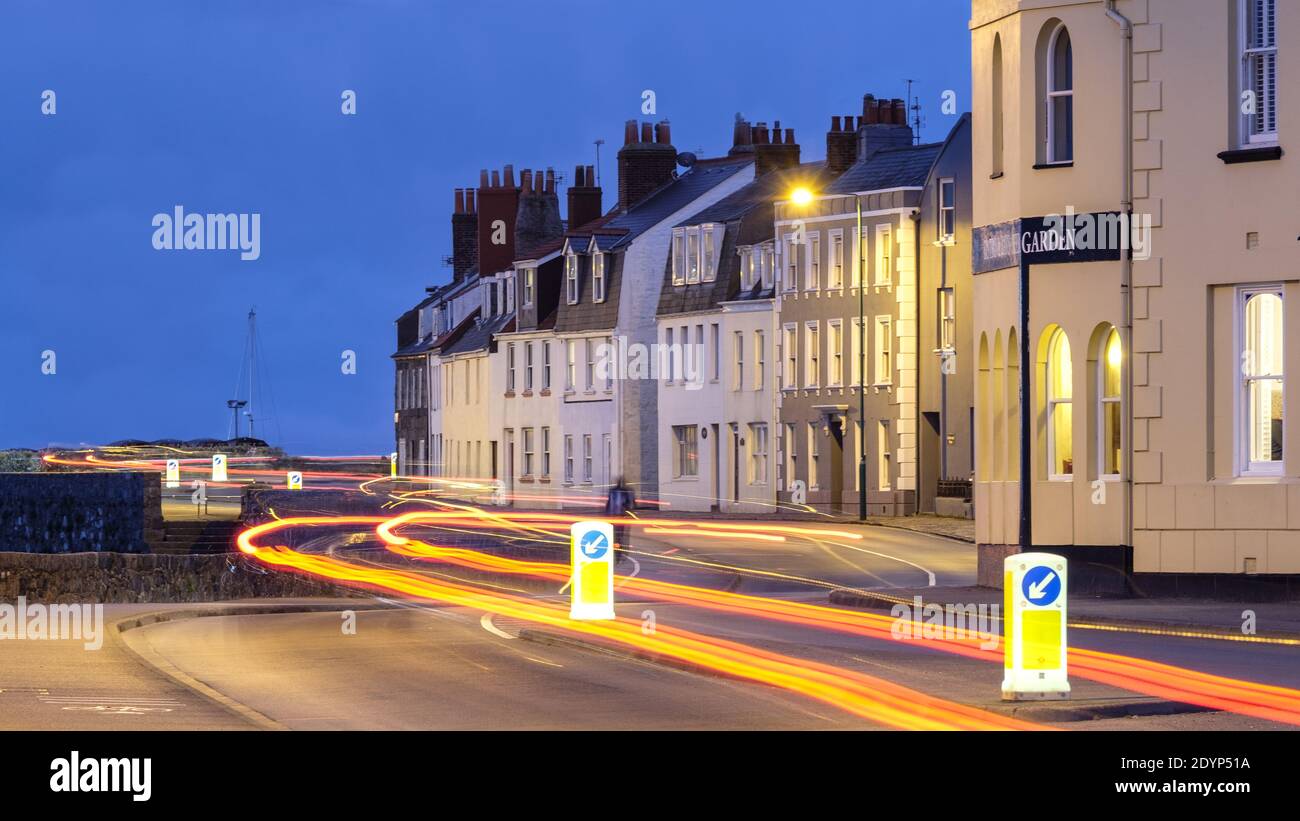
(1060, 97)
(1060, 375)
(1261, 365)
(1109, 411)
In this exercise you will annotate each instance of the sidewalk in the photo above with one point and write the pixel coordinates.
(960, 529)
(1279, 620)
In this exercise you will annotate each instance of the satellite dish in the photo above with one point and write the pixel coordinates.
(686, 159)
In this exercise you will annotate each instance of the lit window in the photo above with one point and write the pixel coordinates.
(814, 269)
(1060, 97)
(546, 452)
(586, 458)
(791, 263)
(686, 451)
(679, 259)
(568, 458)
(1060, 410)
(571, 366)
(510, 367)
(692, 256)
(530, 280)
(528, 366)
(546, 366)
(571, 277)
(1262, 382)
(814, 457)
(1111, 427)
(598, 277)
(791, 456)
(738, 372)
(709, 270)
(760, 359)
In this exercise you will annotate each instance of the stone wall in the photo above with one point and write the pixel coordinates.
(112, 578)
(80, 511)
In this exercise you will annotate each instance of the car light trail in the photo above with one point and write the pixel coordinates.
(863, 695)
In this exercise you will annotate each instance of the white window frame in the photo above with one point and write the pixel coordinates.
(856, 351)
(528, 442)
(715, 341)
(1053, 401)
(790, 356)
(679, 257)
(686, 451)
(598, 276)
(1103, 401)
(568, 458)
(571, 365)
(1251, 56)
(760, 359)
(710, 240)
(758, 446)
(947, 319)
(546, 453)
(835, 269)
(692, 256)
(947, 213)
(1247, 467)
(884, 345)
(812, 353)
(530, 282)
(884, 457)
(572, 291)
(812, 264)
(738, 361)
(790, 263)
(586, 458)
(884, 264)
(510, 368)
(835, 353)
(546, 365)
(791, 453)
(814, 457)
(1056, 96)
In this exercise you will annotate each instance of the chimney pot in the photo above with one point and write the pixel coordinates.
(550, 180)
(460, 201)
(509, 176)
(789, 136)
(496, 178)
(629, 132)
(483, 178)
(647, 133)
(835, 122)
(663, 133)
(591, 176)
(579, 177)
(900, 112)
(470, 206)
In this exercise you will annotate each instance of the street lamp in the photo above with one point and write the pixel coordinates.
(235, 405)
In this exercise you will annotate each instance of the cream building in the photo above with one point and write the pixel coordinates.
(1158, 403)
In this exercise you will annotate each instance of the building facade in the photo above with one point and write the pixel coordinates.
(1157, 449)
(849, 305)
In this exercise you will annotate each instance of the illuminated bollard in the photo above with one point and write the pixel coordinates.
(294, 480)
(1034, 588)
(592, 580)
(392, 464)
(218, 467)
(173, 473)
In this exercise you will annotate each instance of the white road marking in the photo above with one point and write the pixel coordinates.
(486, 622)
(928, 573)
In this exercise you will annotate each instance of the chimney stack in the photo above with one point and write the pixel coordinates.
(884, 125)
(644, 165)
(584, 197)
(537, 220)
(742, 137)
(498, 208)
(781, 151)
(464, 234)
(841, 146)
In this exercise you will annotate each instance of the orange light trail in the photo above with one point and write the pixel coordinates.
(862, 695)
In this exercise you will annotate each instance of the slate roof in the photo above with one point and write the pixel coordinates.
(889, 168)
(675, 195)
(479, 336)
(747, 214)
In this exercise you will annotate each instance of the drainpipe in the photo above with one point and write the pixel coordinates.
(916, 408)
(1126, 262)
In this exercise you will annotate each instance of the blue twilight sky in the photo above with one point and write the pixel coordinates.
(234, 106)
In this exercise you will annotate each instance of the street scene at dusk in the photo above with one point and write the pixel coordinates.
(872, 367)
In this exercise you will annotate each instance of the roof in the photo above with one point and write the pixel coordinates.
(479, 337)
(676, 195)
(762, 190)
(889, 168)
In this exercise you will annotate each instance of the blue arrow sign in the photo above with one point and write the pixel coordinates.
(593, 544)
(1041, 585)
